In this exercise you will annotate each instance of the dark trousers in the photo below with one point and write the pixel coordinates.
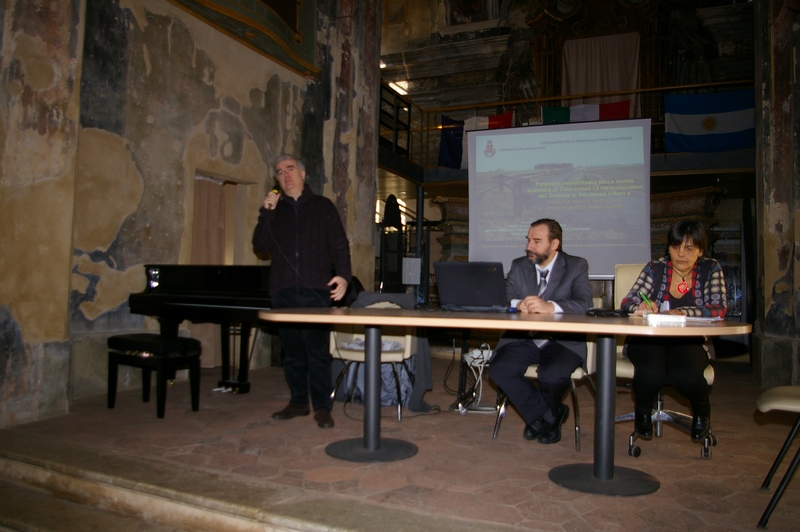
(307, 362)
(678, 362)
(556, 363)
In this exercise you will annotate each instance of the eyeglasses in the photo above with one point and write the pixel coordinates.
(283, 171)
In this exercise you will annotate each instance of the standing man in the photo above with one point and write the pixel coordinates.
(546, 281)
(310, 268)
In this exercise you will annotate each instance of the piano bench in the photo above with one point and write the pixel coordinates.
(151, 352)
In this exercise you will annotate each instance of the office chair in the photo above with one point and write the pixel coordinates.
(624, 277)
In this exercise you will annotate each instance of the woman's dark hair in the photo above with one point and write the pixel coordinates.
(690, 231)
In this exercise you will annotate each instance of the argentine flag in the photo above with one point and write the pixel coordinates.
(723, 121)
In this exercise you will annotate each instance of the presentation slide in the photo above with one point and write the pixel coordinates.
(592, 177)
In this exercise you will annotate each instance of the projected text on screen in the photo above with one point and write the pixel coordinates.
(593, 178)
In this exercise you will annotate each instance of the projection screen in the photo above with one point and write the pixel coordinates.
(592, 177)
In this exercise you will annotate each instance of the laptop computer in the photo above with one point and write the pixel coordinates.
(471, 286)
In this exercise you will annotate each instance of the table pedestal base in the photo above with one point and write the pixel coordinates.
(626, 482)
(389, 450)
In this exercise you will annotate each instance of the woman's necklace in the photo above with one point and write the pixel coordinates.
(683, 287)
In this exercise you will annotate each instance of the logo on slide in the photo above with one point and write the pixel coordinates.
(488, 151)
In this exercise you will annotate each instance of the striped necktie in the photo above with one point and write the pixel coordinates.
(542, 281)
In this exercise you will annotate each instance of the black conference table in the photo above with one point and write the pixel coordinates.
(601, 476)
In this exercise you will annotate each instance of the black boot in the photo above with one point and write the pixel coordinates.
(643, 425)
(701, 425)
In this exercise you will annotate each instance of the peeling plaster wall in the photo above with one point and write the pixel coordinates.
(351, 135)
(38, 138)
(164, 96)
(105, 120)
(410, 22)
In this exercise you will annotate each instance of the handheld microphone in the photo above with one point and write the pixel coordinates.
(274, 190)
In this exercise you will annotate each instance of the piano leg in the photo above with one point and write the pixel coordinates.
(225, 337)
(240, 385)
(244, 357)
(169, 328)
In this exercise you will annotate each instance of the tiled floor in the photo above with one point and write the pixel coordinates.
(459, 473)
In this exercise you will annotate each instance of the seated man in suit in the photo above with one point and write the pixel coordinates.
(545, 281)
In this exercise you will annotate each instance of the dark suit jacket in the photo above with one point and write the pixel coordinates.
(567, 284)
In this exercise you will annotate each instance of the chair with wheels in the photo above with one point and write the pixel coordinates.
(398, 345)
(577, 376)
(787, 399)
(624, 277)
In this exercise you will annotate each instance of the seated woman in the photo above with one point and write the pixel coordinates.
(683, 282)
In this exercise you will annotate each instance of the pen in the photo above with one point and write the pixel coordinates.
(644, 298)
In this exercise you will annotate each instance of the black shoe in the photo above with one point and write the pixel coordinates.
(293, 410)
(551, 432)
(532, 430)
(701, 425)
(323, 418)
(643, 425)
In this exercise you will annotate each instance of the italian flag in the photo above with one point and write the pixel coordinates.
(587, 112)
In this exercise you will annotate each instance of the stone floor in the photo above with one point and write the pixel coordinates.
(230, 466)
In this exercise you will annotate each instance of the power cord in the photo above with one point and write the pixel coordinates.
(435, 409)
(449, 370)
(454, 363)
(476, 361)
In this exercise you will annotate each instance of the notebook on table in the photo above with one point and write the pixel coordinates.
(471, 286)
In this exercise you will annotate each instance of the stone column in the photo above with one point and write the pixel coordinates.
(348, 96)
(775, 341)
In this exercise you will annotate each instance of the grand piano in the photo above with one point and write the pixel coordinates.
(227, 295)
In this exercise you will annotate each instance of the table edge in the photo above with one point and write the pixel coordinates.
(567, 323)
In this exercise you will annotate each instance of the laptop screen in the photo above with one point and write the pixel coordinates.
(471, 285)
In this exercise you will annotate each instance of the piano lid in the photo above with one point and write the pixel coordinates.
(206, 278)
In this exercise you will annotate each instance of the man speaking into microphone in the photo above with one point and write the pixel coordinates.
(310, 268)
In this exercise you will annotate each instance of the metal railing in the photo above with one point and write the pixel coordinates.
(415, 133)
(399, 124)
